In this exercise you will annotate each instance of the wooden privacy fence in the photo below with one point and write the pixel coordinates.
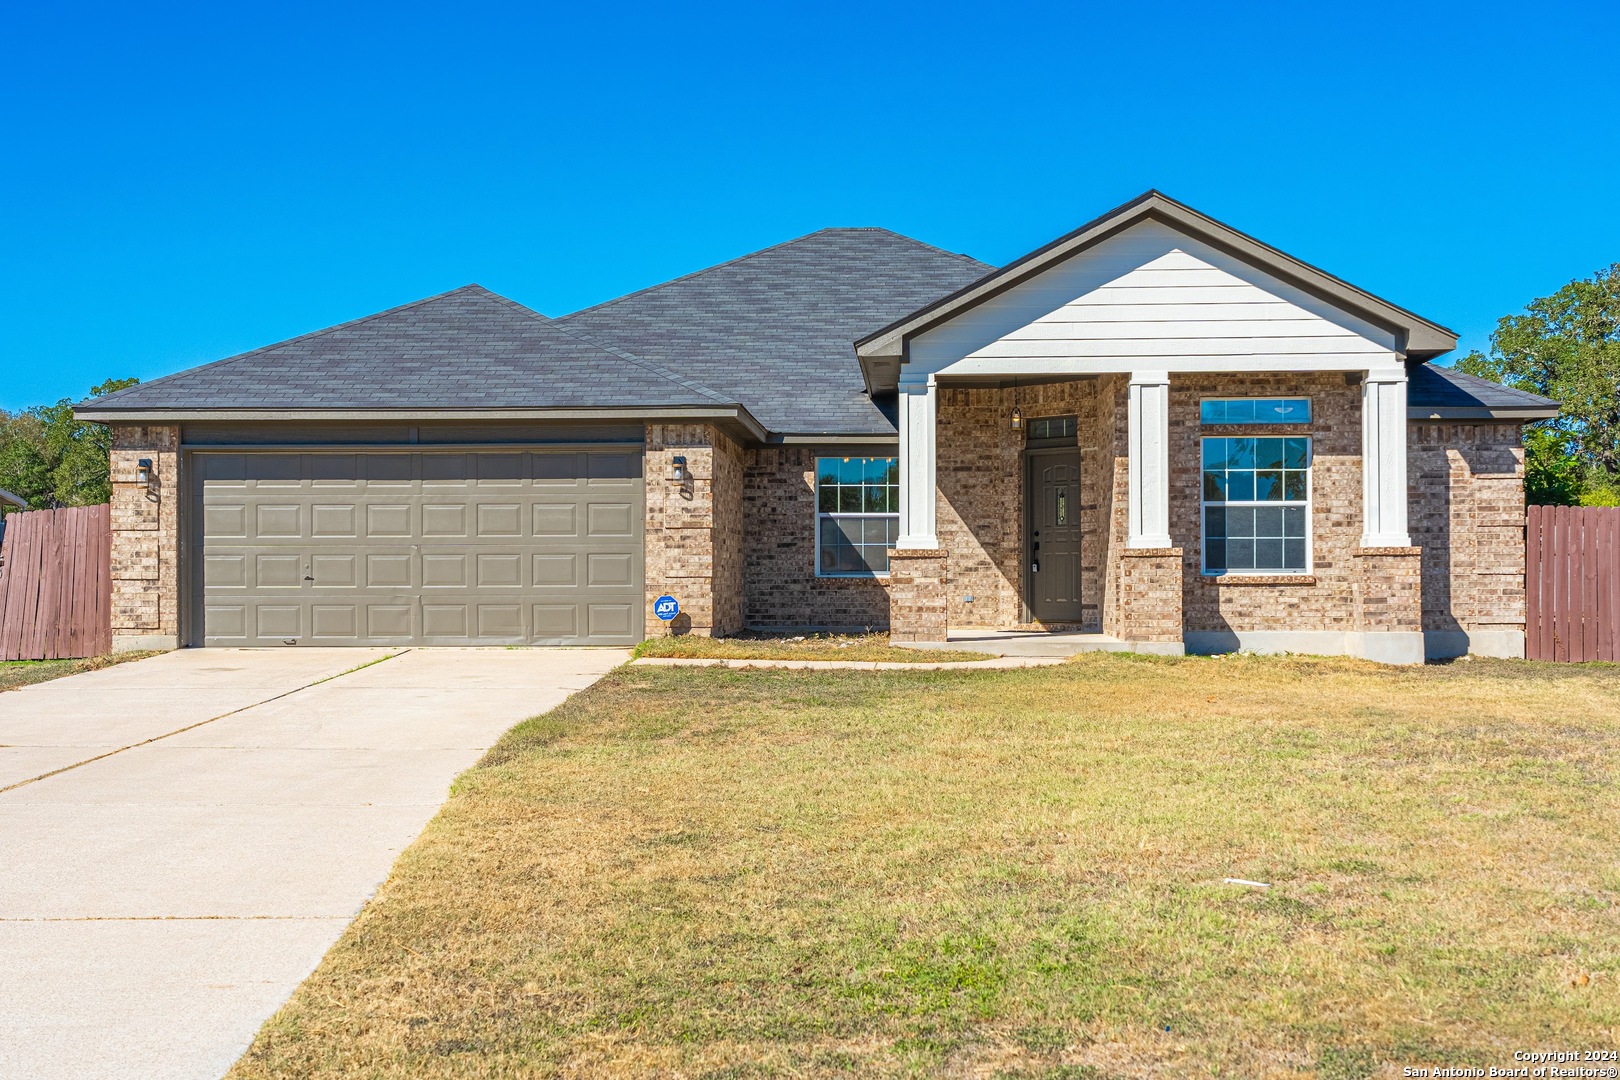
(56, 584)
(1572, 583)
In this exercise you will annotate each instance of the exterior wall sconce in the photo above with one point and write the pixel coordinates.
(1017, 419)
(143, 472)
(679, 474)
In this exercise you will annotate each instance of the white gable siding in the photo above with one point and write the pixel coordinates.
(1151, 297)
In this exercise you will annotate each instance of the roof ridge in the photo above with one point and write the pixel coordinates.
(614, 350)
(692, 274)
(234, 358)
(964, 256)
(765, 251)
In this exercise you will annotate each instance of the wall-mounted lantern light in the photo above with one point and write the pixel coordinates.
(143, 472)
(1017, 419)
(679, 473)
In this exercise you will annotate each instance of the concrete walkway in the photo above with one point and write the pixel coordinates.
(1059, 643)
(220, 817)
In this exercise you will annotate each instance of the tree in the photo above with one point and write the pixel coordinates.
(50, 459)
(1567, 347)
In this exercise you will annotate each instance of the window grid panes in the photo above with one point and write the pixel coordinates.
(1256, 505)
(857, 515)
(1255, 411)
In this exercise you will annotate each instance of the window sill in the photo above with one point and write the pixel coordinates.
(853, 577)
(1258, 579)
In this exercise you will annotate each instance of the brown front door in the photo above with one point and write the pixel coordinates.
(1053, 543)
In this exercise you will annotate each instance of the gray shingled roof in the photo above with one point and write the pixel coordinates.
(1441, 388)
(465, 349)
(775, 330)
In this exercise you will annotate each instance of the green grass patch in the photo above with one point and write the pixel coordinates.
(15, 673)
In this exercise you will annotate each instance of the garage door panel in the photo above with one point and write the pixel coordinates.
(278, 620)
(278, 572)
(226, 520)
(444, 521)
(609, 620)
(227, 570)
(445, 620)
(335, 570)
(499, 520)
(333, 520)
(556, 568)
(391, 622)
(503, 621)
(335, 624)
(389, 571)
(278, 520)
(613, 470)
(340, 471)
(441, 570)
(555, 519)
(615, 519)
(436, 548)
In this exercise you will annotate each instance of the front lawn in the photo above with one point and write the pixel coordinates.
(705, 872)
(15, 673)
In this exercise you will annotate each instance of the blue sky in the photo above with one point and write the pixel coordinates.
(178, 184)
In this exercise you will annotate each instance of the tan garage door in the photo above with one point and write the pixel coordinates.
(424, 548)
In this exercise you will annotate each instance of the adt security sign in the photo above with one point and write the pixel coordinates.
(666, 607)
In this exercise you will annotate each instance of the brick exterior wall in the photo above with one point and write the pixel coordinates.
(694, 529)
(1467, 516)
(145, 538)
(1389, 589)
(917, 587)
(779, 522)
(1150, 594)
(1326, 600)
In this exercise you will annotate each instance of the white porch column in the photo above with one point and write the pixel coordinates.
(917, 424)
(1148, 444)
(1383, 459)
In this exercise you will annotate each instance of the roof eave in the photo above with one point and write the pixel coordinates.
(736, 416)
(1523, 413)
(1423, 340)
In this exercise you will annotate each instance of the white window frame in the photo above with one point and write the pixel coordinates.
(1308, 505)
(820, 513)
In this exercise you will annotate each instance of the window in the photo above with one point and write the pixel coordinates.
(1257, 505)
(1053, 427)
(1256, 411)
(857, 515)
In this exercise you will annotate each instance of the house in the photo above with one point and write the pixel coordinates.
(1155, 427)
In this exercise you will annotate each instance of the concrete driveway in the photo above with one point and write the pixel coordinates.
(220, 816)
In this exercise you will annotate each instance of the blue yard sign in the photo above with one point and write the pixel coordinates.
(666, 607)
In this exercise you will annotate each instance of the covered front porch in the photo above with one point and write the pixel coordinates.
(1066, 516)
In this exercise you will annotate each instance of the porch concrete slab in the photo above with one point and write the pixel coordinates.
(126, 981)
(159, 904)
(1063, 643)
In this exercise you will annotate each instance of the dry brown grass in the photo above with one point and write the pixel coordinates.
(15, 673)
(762, 646)
(713, 873)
